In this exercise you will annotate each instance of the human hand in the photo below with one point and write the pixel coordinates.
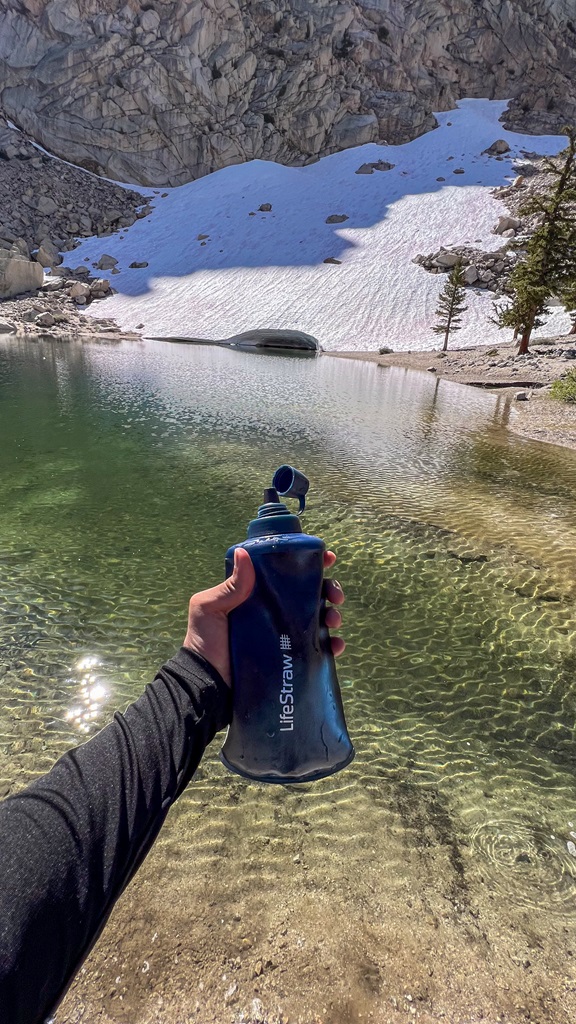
(208, 611)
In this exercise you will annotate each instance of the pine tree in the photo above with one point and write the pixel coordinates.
(568, 298)
(550, 253)
(450, 304)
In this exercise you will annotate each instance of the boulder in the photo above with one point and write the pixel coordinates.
(447, 259)
(18, 275)
(100, 287)
(53, 285)
(79, 291)
(265, 207)
(470, 274)
(48, 255)
(19, 245)
(375, 165)
(505, 223)
(45, 319)
(7, 327)
(106, 262)
(336, 218)
(333, 260)
(138, 266)
(498, 148)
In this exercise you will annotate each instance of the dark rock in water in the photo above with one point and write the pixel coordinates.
(260, 338)
(275, 339)
(467, 559)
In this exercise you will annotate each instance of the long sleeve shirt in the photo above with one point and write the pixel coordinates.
(72, 840)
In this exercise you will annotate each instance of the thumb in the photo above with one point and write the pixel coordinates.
(236, 589)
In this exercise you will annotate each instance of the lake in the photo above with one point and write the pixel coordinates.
(435, 878)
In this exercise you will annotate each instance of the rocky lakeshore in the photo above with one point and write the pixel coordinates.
(526, 379)
(54, 309)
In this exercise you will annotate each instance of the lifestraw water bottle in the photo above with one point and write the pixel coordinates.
(288, 723)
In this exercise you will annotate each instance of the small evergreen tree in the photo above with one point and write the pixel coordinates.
(450, 304)
(550, 253)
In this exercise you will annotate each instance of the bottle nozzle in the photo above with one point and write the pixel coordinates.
(270, 494)
(291, 483)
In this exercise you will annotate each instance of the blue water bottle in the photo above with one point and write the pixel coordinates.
(288, 723)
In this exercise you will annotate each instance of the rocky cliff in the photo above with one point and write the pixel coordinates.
(168, 90)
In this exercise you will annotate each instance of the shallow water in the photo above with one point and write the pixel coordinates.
(127, 470)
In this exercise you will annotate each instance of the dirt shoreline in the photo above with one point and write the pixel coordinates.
(537, 415)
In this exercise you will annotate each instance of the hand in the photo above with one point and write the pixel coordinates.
(208, 612)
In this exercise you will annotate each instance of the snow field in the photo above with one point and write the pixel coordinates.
(267, 270)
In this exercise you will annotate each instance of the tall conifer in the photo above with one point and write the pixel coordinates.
(548, 266)
(568, 298)
(450, 304)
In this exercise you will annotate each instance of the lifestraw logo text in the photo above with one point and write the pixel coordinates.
(286, 695)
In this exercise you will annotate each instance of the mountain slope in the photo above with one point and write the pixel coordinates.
(218, 266)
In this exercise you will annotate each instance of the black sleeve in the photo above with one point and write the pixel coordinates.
(71, 841)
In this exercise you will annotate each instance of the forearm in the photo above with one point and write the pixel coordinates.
(71, 841)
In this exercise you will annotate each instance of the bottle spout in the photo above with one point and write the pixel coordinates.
(291, 483)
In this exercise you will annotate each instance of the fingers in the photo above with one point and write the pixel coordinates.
(233, 591)
(329, 559)
(337, 644)
(333, 592)
(333, 619)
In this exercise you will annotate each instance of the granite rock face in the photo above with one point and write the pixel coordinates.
(166, 91)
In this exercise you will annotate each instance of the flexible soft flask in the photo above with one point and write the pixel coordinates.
(288, 723)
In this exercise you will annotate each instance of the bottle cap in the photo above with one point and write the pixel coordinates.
(291, 483)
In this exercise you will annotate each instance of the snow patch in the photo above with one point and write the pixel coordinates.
(265, 269)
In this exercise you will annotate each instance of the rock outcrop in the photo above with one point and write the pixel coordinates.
(18, 273)
(163, 92)
(489, 270)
